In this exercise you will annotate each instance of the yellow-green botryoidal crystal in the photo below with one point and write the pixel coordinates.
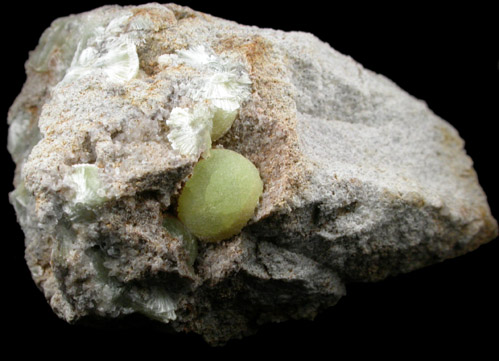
(222, 121)
(221, 195)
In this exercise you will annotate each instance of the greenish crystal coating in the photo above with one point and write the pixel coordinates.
(221, 195)
(177, 230)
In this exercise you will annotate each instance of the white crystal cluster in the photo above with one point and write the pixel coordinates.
(87, 187)
(225, 85)
(161, 306)
(107, 51)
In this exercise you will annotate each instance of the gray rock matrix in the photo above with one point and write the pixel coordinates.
(361, 180)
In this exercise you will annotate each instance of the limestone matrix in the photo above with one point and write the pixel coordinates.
(361, 180)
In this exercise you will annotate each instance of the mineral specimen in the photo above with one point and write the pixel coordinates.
(123, 105)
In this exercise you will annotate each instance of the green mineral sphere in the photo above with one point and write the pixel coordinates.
(222, 121)
(221, 195)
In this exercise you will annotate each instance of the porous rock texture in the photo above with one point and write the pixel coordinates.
(361, 180)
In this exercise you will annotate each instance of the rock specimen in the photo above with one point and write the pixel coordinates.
(360, 180)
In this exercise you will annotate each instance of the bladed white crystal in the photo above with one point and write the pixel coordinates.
(87, 187)
(190, 129)
(225, 86)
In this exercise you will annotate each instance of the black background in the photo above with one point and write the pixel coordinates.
(445, 56)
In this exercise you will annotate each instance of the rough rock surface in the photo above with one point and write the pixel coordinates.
(361, 180)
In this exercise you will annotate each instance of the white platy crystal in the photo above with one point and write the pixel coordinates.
(225, 90)
(86, 184)
(155, 303)
(225, 86)
(119, 62)
(190, 129)
(198, 56)
(116, 56)
(20, 195)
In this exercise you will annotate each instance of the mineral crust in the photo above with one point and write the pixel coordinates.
(361, 180)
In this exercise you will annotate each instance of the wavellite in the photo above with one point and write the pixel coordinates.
(221, 195)
(360, 180)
